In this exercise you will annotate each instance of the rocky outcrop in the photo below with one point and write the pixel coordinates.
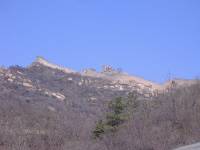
(46, 63)
(113, 79)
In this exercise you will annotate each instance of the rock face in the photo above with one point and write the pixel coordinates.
(44, 62)
(117, 79)
(107, 79)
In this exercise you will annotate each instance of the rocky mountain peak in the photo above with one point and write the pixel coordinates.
(41, 61)
(45, 104)
(110, 78)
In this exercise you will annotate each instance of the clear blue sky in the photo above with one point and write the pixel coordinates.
(148, 38)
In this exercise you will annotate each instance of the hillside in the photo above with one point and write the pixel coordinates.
(46, 107)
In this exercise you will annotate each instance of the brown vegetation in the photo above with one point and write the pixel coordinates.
(33, 120)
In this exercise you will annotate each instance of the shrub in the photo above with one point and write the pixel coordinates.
(114, 118)
(99, 129)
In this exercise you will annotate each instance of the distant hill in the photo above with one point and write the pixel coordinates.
(46, 107)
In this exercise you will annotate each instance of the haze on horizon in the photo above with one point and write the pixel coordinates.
(151, 39)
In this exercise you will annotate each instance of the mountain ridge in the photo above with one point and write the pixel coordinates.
(45, 105)
(116, 76)
(118, 80)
